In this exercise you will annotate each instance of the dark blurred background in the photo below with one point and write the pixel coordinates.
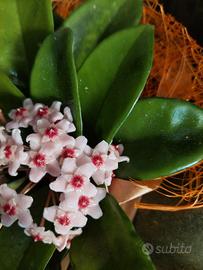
(163, 229)
(190, 13)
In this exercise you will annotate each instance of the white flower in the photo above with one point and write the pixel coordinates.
(75, 168)
(39, 234)
(12, 151)
(52, 113)
(104, 163)
(68, 114)
(63, 220)
(22, 116)
(48, 132)
(116, 152)
(14, 207)
(74, 147)
(75, 178)
(42, 162)
(64, 241)
(87, 205)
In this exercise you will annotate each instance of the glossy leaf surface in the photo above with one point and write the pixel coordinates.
(10, 95)
(24, 25)
(109, 243)
(92, 18)
(161, 137)
(112, 78)
(54, 75)
(36, 256)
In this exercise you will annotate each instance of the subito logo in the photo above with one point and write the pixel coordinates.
(147, 248)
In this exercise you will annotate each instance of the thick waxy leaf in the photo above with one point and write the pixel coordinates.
(112, 78)
(24, 25)
(128, 15)
(9, 94)
(18, 250)
(92, 18)
(54, 75)
(13, 245)
(37, 256)
(109, 243)
(161, 137)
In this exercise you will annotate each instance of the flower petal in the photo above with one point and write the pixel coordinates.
(53, 168)
(36, 174)
(102, 147)
(79, 220)
(59, 185)
(95, 211)
(50, 213)
(6, 192)
(34, 141)
(7, 220)
(24, 201)
(25, 219)
(86, 170)
(69, 165)
(16, 135)
(13, 167)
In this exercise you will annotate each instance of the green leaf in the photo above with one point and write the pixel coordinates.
(161, 137)
(92, 18)
(37, 256)
(9, 92)
(109, 243)
(129, 14)
(24, 25)
(54, 76)
(18, 250)
(112, 78)
(13, 245)
(17, 183)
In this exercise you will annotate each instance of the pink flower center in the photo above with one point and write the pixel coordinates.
(9, 209)
(51, 132)
(68, 153)
(63, 220)
(83, 202)
(42, 111)
(77, 181)
(37, 237)
(97, 160)
(7, 152)
(39, 160)
(20, 112)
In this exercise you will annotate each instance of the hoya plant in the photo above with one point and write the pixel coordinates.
(74, 119)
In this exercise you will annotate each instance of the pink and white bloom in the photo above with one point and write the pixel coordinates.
(21, 117)
(48, 132)
(38, 233)
(87, 205)
(116, 152)
(64, 241)
(12, 151)
(14, 207)
(75, 178)
(52, 113)
(42, 162)
(73, 164)
(64, 220)
(104, 163)
(74, 147)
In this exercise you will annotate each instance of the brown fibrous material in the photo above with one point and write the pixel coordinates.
(64, 7)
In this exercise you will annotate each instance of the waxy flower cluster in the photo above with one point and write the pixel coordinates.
(72, 169)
